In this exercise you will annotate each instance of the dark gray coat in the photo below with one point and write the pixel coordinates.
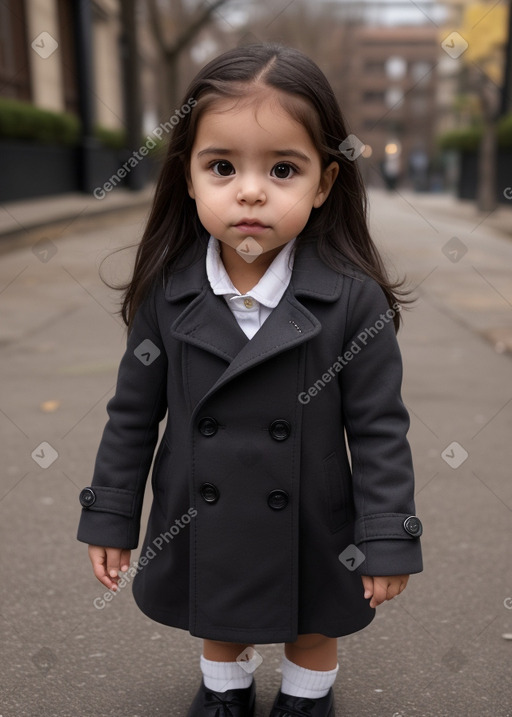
(254, 499)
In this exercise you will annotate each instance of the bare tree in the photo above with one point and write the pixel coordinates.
(186, 26)
(488, 95)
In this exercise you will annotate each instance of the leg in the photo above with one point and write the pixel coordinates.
(222, 651)
(309, 669)
(226, 684)
(313, 651)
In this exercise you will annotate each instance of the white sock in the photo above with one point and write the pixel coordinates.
(300, 682)
(223, 676)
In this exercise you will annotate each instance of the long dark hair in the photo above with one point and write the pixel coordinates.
(339, 227)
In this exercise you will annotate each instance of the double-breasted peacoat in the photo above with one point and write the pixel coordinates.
(262, 521)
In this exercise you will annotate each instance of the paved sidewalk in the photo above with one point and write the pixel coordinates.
(21, 223)
(466, 264)
(438, 204)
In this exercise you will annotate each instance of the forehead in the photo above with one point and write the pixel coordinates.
(258, 118)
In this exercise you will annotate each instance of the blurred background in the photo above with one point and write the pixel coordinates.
(425, 86)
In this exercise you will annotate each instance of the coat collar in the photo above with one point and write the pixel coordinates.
(310, 276)
(207, 322)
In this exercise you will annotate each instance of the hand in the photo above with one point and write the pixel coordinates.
(106, 562)
(383, 587)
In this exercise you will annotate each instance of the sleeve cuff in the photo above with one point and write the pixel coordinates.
(390, 544)
(109, 500)
(110, 517)
(386, 526)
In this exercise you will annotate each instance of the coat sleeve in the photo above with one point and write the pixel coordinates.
(127, 446)
(377, 422)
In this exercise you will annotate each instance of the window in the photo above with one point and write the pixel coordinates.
(373, 96)
(374, 67)
(421, 71)
(396, 68)
(14, 66)
(394, 97)
(67, 48)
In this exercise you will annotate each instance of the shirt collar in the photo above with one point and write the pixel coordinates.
(269, 289)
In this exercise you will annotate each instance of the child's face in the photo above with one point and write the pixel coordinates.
(255, 172)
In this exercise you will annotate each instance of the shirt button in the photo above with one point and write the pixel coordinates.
(248, 303)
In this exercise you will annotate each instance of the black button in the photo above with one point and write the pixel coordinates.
(279, 429)
(209, 492)
(87, 497)
(278, 499)
(413, 526)
(208, 426)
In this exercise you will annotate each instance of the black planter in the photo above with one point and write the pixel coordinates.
(31, 170)
(504, 178)
(468, 176)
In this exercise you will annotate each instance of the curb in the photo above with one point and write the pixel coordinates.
(79, 221)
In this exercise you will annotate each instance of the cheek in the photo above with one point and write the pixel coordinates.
(208, 213)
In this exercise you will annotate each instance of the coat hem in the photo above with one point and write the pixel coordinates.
(257, 636)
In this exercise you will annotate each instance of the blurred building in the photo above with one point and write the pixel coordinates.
(390, 94)
(76, 60)
(38, 61)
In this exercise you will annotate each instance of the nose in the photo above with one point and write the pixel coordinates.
(251, 191)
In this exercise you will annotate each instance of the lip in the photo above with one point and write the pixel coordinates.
(251, 226)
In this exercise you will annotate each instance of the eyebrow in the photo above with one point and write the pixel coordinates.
(219, 151)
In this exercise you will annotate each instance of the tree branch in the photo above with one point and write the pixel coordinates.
(192, 30)
(156, 26)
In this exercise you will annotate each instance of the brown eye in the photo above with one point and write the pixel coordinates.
(222, 168)
(283, 170)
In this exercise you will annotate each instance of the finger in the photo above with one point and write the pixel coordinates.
(380, 588)
(367, 585)
(125, 560)
(98, 559)
(404, 581)
(113, 563)
(398, 585)
(393, 588)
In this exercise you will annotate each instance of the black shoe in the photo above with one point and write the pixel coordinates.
(232, 703)
(288, 706)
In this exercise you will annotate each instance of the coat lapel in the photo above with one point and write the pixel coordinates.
(207, 321)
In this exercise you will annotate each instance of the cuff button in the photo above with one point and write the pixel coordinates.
(87, 497)
(413, 526)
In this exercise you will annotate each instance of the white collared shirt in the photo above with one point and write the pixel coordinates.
(253, 308)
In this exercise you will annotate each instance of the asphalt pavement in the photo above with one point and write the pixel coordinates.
(438, 650)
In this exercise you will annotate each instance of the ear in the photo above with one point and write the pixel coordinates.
(190, 186)
(326, 181)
